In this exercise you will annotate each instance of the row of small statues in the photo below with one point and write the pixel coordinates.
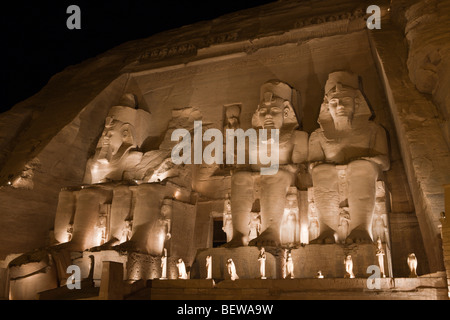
(288, 267)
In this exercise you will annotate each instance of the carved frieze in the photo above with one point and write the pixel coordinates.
(358, 13)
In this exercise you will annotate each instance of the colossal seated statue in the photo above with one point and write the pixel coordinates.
(275, 111)
(347, 155)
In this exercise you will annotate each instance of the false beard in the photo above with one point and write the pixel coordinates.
(105, 154)
(342, 124)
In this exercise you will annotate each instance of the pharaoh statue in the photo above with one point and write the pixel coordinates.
(126, 128)
(276, 110)
(347, 155)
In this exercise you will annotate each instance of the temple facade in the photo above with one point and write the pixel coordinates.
(290, 149)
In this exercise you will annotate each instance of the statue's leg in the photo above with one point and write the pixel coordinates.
(241, 206)
(273, 201)
(326, 199)
(85, 231)
(362, 177)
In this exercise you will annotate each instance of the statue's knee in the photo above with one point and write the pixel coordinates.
(242, 178)
(281, 177)
(363, 168)
(323, 172)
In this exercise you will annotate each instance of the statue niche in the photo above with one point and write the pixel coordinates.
(347, 155)
(275, 111)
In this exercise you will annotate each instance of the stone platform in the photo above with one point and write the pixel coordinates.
(308, 260)
(427, 287)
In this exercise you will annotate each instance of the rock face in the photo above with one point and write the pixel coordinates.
(427, 31)
(85, 167)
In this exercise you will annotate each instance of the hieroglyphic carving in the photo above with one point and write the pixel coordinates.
(187, 49)
(358, 13)
(184, 49)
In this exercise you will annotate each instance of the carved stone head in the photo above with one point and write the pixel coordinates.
(232, 117)
(125, 127)
(343, 101)
(115, 134)
(275, 109)
(166, 208)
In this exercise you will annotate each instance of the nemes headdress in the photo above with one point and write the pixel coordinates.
(344, 83)
(127, 113)
(278, 89)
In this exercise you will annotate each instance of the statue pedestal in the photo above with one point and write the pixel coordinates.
(308, 260)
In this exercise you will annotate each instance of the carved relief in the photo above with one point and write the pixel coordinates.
(184, 49)
(219, 38)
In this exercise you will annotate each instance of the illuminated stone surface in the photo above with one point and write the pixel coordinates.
(65, 191)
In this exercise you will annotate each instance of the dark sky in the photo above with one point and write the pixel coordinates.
(37, 44)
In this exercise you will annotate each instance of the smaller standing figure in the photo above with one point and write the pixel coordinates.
(165, 219)
(227, 219)
(379, 224)
(232, 269)
(101, 226)
(208, 267)
(289, 266)
(314, 227)
(289, 232)
(126, 232)
(262, 263)
(412, 264)
(349, 267)
(380, 254)
(319, 275)
(254, 226)
(181, 269)
(164, 265)
(69, 232)
(344, 222)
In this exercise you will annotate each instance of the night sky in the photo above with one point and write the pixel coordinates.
(37, 43)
